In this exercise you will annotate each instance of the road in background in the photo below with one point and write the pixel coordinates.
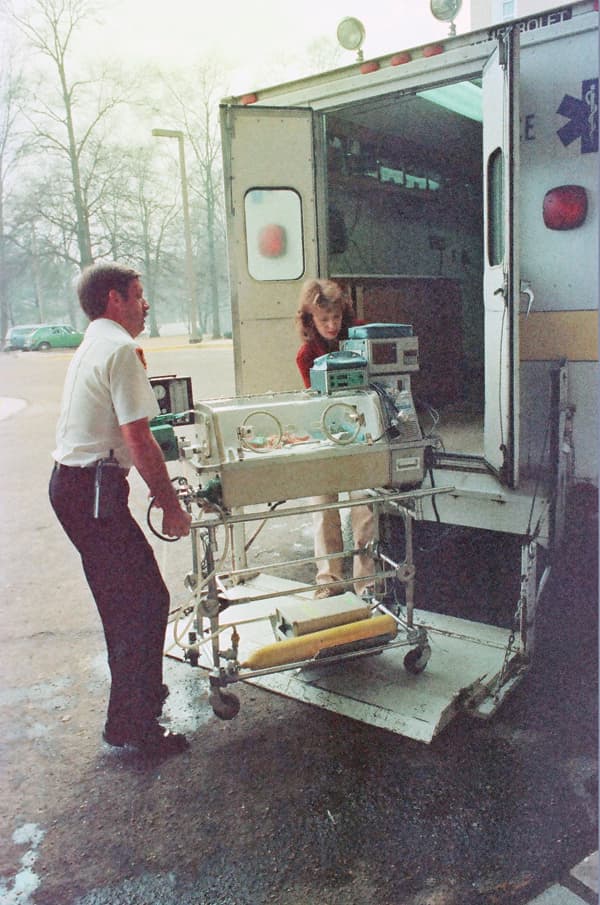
(286, 804)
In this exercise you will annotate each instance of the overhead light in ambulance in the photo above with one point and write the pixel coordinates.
(464, 98)
(565, 207)
(351, 35)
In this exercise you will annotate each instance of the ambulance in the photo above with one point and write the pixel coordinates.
(451, 188)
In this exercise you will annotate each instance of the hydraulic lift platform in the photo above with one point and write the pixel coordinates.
(469, 661)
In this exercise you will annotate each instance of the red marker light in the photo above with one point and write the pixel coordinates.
(249, 99)
(271, 241)
(565, 207)
(400, 58)
(371, 66)
(433, 50)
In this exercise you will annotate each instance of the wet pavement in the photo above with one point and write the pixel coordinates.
(286, 804)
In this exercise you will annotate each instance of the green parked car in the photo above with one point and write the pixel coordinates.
(52, 336)
(16, 336)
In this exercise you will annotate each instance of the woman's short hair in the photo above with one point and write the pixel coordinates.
(97, 280)
(324, 295)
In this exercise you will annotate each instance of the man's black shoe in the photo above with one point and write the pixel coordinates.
(153, 740)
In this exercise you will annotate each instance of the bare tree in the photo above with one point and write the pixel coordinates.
(156, 219)
(140, 215)
(322, 54)
(64, 126)
(44, 230)
(196, 96)
(12, 147)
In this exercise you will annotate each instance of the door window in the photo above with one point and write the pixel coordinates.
(495, 208)
(274, 234)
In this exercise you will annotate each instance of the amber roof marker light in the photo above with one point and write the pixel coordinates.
(351, 35)
(446, 11)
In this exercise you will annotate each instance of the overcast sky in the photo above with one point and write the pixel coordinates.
(249, 33)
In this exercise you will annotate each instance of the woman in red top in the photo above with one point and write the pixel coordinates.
(323, 318)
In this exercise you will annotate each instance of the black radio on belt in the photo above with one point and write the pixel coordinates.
(109, 475)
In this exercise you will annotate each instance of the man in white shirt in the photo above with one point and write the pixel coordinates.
(105, 413)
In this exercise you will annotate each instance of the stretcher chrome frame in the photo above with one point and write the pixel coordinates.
(211, 600)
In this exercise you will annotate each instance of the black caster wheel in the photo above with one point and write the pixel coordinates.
(417, 659)
(224, 704)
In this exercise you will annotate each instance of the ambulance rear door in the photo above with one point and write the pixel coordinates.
(270, 200)
(501, 264)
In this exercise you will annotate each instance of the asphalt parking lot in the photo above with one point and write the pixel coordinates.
(286, 804)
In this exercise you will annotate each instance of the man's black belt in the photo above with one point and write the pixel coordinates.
(59, 467)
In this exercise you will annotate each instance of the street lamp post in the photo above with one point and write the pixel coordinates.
(189, 258)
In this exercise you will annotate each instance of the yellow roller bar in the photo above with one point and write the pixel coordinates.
(549, 335)
(292, 650)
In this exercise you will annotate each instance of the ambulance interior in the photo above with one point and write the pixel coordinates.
(405, 234)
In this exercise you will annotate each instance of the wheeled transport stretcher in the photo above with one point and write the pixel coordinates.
(305, 631)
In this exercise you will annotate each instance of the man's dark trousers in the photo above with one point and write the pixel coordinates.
(129, 591)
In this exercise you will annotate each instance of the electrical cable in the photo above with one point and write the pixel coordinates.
(271, 507)
(435, 420)
(177, 634)
(178, 479)
(500, 369)
(390, 410)
(538, 479)
(218, 566)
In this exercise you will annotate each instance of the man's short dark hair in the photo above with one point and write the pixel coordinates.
(97, 280)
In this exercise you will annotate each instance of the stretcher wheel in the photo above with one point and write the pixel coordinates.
(417, 659)
(224, 704)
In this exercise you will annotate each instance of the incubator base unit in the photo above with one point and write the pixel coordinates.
(286, 446)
